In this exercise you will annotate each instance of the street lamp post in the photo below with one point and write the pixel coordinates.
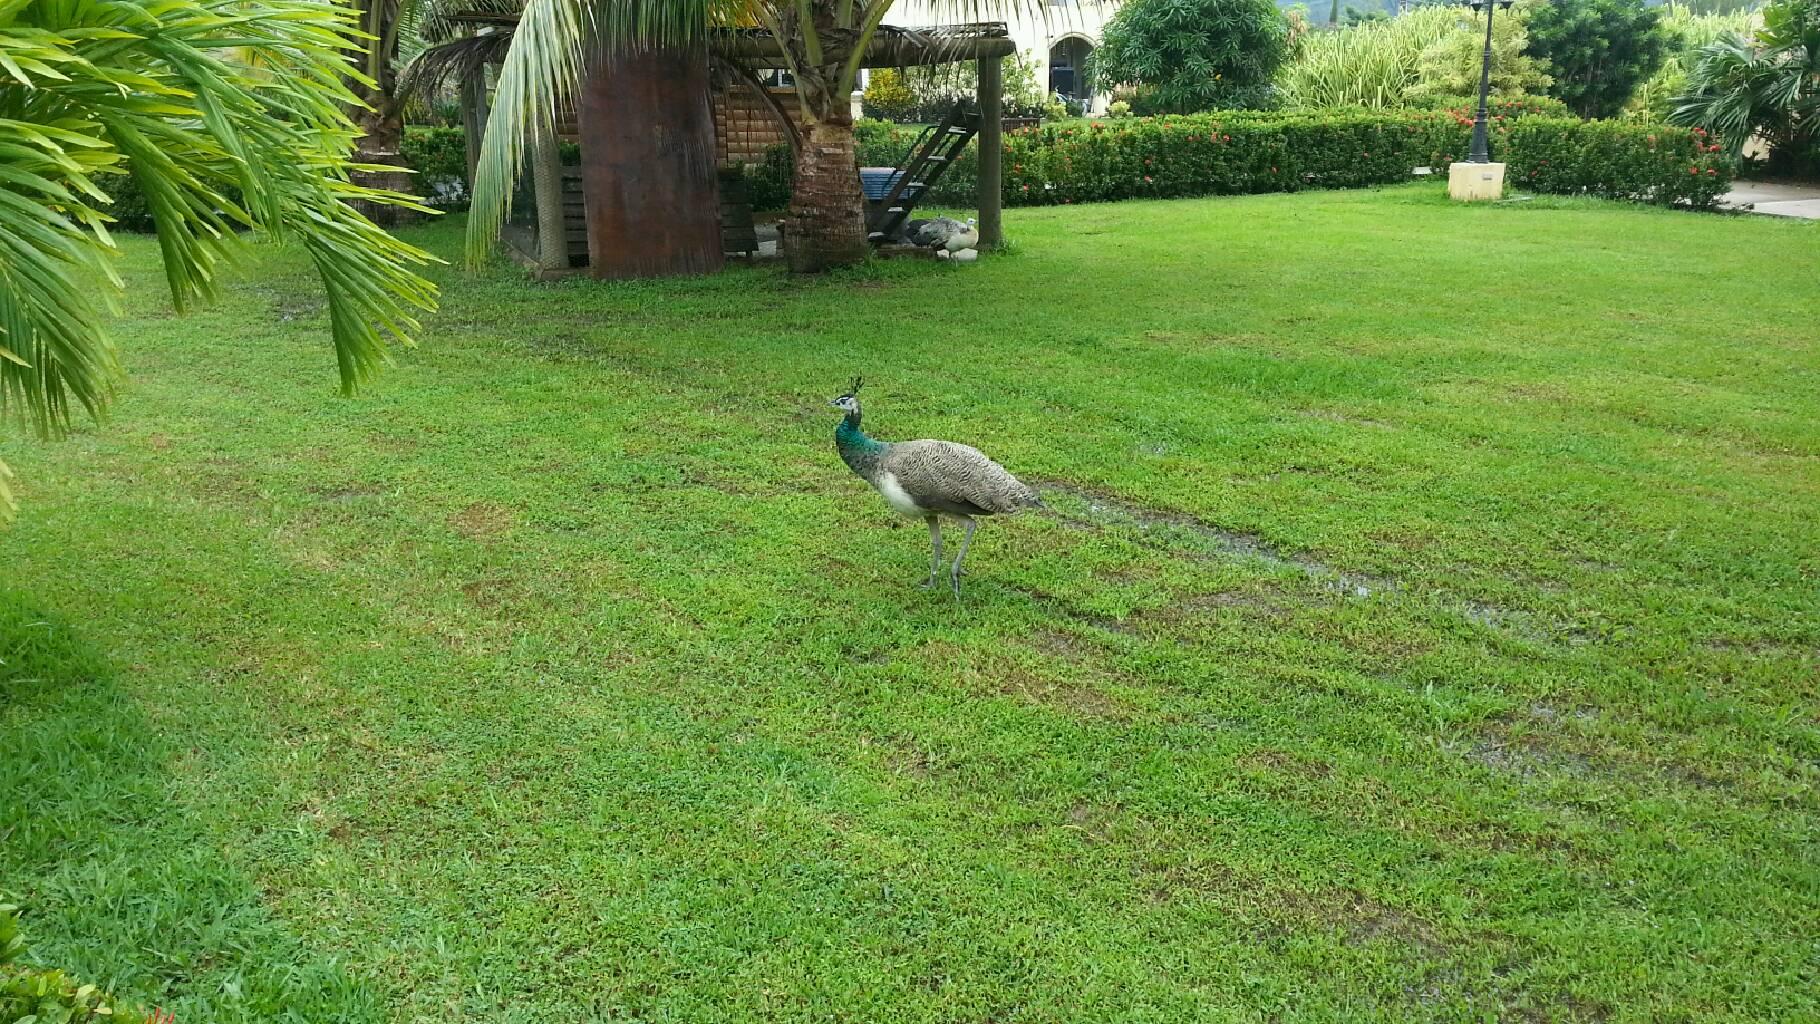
(1481, 143)
(1476, 178)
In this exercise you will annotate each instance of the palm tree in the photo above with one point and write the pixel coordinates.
(390, 32)
(1769, 87)
(824, 44)
(226, 114)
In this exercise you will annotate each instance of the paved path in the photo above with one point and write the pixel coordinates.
(1779, 200)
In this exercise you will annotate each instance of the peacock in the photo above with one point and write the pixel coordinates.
(930, 479)
(944, 234)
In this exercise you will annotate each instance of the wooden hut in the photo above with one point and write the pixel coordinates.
(644, 200)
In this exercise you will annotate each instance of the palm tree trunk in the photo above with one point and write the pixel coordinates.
(827, 225)
(381, 120)
(382, 133)
(648, 169)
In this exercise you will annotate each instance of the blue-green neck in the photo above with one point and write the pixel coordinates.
(848, 435)
(859, 452)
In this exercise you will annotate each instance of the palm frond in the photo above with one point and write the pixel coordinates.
(198, 101)
(453, 61)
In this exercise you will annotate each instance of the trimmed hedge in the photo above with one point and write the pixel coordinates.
(1250, 151)
(1223, 154)
(1617, 160)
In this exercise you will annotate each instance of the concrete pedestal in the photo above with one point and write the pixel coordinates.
(1475, 182)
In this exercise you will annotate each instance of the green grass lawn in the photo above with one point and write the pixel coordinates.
(1426, 629)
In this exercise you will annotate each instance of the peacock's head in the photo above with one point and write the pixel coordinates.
(849, 402)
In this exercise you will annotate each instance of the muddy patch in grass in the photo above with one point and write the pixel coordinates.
(1180, 533)
(1525, 756)
(483, 520)
(1078, 698)
(1335, 416)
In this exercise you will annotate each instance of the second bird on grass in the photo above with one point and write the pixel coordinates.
(930, 479)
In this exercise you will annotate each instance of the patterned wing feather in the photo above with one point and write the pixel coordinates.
(956, 478)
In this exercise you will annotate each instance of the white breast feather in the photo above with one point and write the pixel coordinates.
(896, 496)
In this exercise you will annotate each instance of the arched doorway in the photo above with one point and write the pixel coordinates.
(1068, 68)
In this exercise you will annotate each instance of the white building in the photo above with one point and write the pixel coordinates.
(1059, 34)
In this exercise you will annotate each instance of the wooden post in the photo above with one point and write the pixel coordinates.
(992, 150)
(546, 185)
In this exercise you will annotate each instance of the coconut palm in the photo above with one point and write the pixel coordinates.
(226, 114)
(824, 43)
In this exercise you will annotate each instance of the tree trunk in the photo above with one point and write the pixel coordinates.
(827, 225)
(383, 131)
(647, 162)
(381, 119)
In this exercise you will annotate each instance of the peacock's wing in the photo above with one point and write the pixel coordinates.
(948, 477)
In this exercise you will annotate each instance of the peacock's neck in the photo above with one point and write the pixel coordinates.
(859, 452)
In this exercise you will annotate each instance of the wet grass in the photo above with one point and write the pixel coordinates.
(1425, 630)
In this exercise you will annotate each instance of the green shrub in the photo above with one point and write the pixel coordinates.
(1507, 107)
(887, 96)
(768, 181)
(43, 996)
(1191, 55)
(1616, 160)
(1372, 65)
(440, 158)
(1451, 65)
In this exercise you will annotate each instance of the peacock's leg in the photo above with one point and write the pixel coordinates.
(935, 557)
(954, 574)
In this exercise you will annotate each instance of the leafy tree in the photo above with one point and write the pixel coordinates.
(226, 114)
(1450, 66)
(1599, 51)
(1767, 87)
(1190, 55)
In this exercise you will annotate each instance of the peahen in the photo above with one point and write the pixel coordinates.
(930, 479)
(943, 234)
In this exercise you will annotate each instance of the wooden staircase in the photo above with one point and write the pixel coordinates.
(928, 158)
